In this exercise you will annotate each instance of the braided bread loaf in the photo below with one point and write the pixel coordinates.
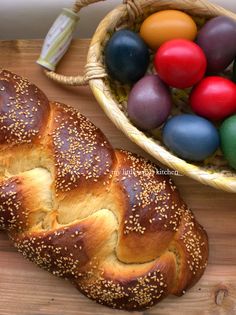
(102, 218)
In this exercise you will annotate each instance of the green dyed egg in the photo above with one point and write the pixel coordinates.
(228, 140)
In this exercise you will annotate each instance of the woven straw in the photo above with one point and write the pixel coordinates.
(109, 94)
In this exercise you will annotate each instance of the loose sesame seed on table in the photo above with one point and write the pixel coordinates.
(28, 290)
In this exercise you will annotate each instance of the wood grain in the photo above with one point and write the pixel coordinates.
(27, 290)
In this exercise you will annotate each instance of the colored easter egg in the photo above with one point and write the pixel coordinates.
(180, 63)
(149, 103)
(165, 25)
(191, 137)
(217, 38)
(126, 57)
(214, 98)
(228, 140)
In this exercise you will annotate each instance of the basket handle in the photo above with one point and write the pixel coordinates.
(59, 39)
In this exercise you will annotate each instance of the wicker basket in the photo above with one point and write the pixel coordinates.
(111, 96)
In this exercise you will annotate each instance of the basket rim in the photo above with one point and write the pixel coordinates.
(110, 107)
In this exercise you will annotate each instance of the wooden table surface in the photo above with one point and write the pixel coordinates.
(27, 290)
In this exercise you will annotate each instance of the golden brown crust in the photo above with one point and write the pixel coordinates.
(153, 209)
(24, 110)
(82, 154)
(127, 287)
(103, 218)
(190, 246)
(12, 210)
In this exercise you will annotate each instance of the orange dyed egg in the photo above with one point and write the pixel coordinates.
(165, 25)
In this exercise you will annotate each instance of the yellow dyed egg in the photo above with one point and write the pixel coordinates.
(165, 25)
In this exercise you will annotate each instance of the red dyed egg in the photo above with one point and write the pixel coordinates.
(180, 63)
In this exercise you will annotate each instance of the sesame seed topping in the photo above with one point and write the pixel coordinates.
(94, 181)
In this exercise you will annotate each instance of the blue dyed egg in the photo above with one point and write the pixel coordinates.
(191, 137)
(126, 57)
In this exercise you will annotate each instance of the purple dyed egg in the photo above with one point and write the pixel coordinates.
(217, 38)
(149, 103)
